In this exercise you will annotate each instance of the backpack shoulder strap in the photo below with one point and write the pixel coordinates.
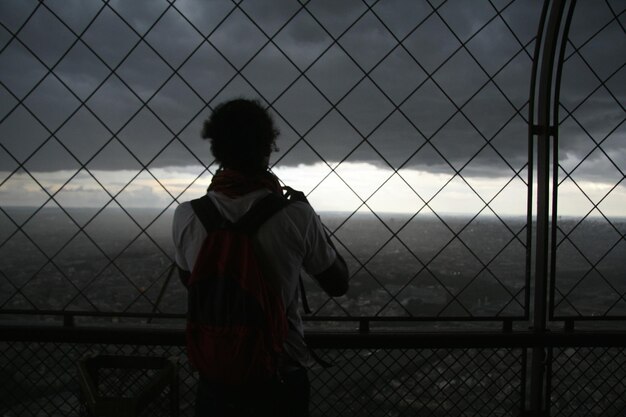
(260, 212)
(208, 214)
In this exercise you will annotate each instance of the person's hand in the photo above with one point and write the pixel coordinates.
(295, 195)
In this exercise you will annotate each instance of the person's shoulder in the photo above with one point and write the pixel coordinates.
(300, 209)
(183, 213)
(300, 214)
(183, 207)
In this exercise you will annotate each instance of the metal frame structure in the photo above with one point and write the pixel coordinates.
(541, 348)
(511, 346)
(552, 178)
(549, 35)
(545, 96)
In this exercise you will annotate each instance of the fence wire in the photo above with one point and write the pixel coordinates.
(42, 377)
(470, 82)
(588, 382)
(370, 104)
(589, 247)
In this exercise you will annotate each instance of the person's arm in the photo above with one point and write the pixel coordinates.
(178, 224)
(334, 279)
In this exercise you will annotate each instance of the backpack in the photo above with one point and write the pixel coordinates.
(236, 319)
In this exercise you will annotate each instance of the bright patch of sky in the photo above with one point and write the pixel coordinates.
(351, 187)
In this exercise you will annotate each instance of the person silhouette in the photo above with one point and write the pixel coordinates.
(242, 135)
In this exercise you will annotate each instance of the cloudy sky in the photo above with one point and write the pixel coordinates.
(390, 104)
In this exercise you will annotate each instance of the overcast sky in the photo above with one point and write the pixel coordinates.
(430, 88)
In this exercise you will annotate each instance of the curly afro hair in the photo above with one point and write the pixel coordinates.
(242, 135)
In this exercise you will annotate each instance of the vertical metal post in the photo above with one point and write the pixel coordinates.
(555, 154)
(551, 34)
(541, 129)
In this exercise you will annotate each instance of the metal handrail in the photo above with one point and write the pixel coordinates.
(327, 339)
(69, 316)
(159, 315)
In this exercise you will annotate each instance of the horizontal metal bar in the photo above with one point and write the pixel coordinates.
(318, 339)
(588, 318)
(355, 319)
(104, 334)
(513, 340)
(382, 319)
(540, 130)
(69, 313)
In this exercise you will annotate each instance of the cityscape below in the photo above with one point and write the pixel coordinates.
(401, 265)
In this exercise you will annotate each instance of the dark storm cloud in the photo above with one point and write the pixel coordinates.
(474, 124)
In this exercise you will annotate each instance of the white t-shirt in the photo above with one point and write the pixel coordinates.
(290, 240)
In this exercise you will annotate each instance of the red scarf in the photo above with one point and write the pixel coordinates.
(234, 183)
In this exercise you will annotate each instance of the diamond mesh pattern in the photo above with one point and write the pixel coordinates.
(588, 382)
(455, 382)
(41, 377)
(457, 92)
(590, 242)
(463, 102)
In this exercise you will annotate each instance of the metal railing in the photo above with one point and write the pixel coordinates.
(374, 373)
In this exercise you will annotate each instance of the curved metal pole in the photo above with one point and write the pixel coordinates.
(550, 52)
(555, 156)
(531, 154)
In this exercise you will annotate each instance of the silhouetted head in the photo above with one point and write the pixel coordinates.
(242, 135)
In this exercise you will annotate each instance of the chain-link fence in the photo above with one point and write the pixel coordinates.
(406, 124)
(431, 109)
(588, 381)
(375, 382)
(40, 378)
(589, 244)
